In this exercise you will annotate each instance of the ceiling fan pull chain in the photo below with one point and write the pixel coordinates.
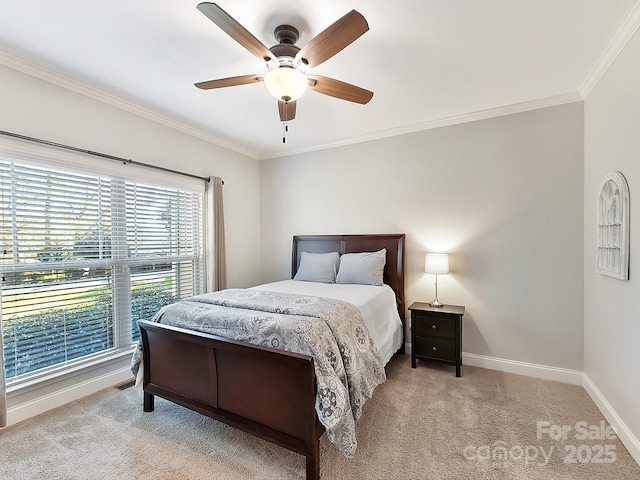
(285, 124)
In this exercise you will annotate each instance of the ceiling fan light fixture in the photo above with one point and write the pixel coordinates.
(285, 84)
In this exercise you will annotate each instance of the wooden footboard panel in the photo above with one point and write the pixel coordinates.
(267, 392)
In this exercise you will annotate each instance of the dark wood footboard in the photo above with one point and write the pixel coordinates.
(266, 392)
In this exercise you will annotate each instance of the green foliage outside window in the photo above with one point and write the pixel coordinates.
(77, 331)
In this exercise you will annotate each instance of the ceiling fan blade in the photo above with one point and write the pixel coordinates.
(229, 82)
(333, 39)
(236, 31)
(336, 88)
(287, 111)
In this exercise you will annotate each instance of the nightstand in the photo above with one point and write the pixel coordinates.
(436, 334)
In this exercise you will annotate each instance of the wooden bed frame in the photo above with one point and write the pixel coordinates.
(266, 392)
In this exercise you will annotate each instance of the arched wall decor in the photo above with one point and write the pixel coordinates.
(613, 227)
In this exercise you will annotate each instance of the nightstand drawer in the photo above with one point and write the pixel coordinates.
(434, 326)
(435, 348)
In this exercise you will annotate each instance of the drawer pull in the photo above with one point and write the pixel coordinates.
(434, 349)
(433, 327)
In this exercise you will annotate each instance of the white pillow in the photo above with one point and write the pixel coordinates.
(365, 268)
(318, 267)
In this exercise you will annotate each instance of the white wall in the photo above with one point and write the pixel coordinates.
(612, 307)
(503, 196)
(33, 107)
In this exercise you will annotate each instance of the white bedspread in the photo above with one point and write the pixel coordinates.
(377, 304)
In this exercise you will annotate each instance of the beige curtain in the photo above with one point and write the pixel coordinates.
(215, 238)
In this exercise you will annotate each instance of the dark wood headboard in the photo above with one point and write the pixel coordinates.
(394, 243)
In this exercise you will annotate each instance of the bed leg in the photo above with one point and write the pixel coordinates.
(148, 402)
(313, 466)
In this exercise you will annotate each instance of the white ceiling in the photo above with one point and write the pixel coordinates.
(428, 61)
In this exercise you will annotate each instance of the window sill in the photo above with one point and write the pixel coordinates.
(36, 395)
(62, 374)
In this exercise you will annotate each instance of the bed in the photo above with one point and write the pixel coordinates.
(275, 393)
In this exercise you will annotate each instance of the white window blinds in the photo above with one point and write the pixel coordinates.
(84, 257)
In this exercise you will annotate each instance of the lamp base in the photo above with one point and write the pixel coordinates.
(436, 304)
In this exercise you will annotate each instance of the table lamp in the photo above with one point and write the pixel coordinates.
(438, 264)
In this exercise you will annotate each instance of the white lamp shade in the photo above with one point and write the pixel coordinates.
(285, 84)
(437, 263)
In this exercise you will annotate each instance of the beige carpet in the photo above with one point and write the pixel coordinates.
(422, 424)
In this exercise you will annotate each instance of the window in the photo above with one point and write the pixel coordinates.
(84, 257)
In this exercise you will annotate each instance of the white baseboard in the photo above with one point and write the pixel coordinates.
(625, 435)
(56, 399)
(545, 372)
(574, 377)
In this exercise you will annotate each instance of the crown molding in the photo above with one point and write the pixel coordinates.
(42, 73)
(444, 122)
(620, 40)
(91, 92)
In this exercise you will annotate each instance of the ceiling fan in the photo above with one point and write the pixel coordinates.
(287, 64)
